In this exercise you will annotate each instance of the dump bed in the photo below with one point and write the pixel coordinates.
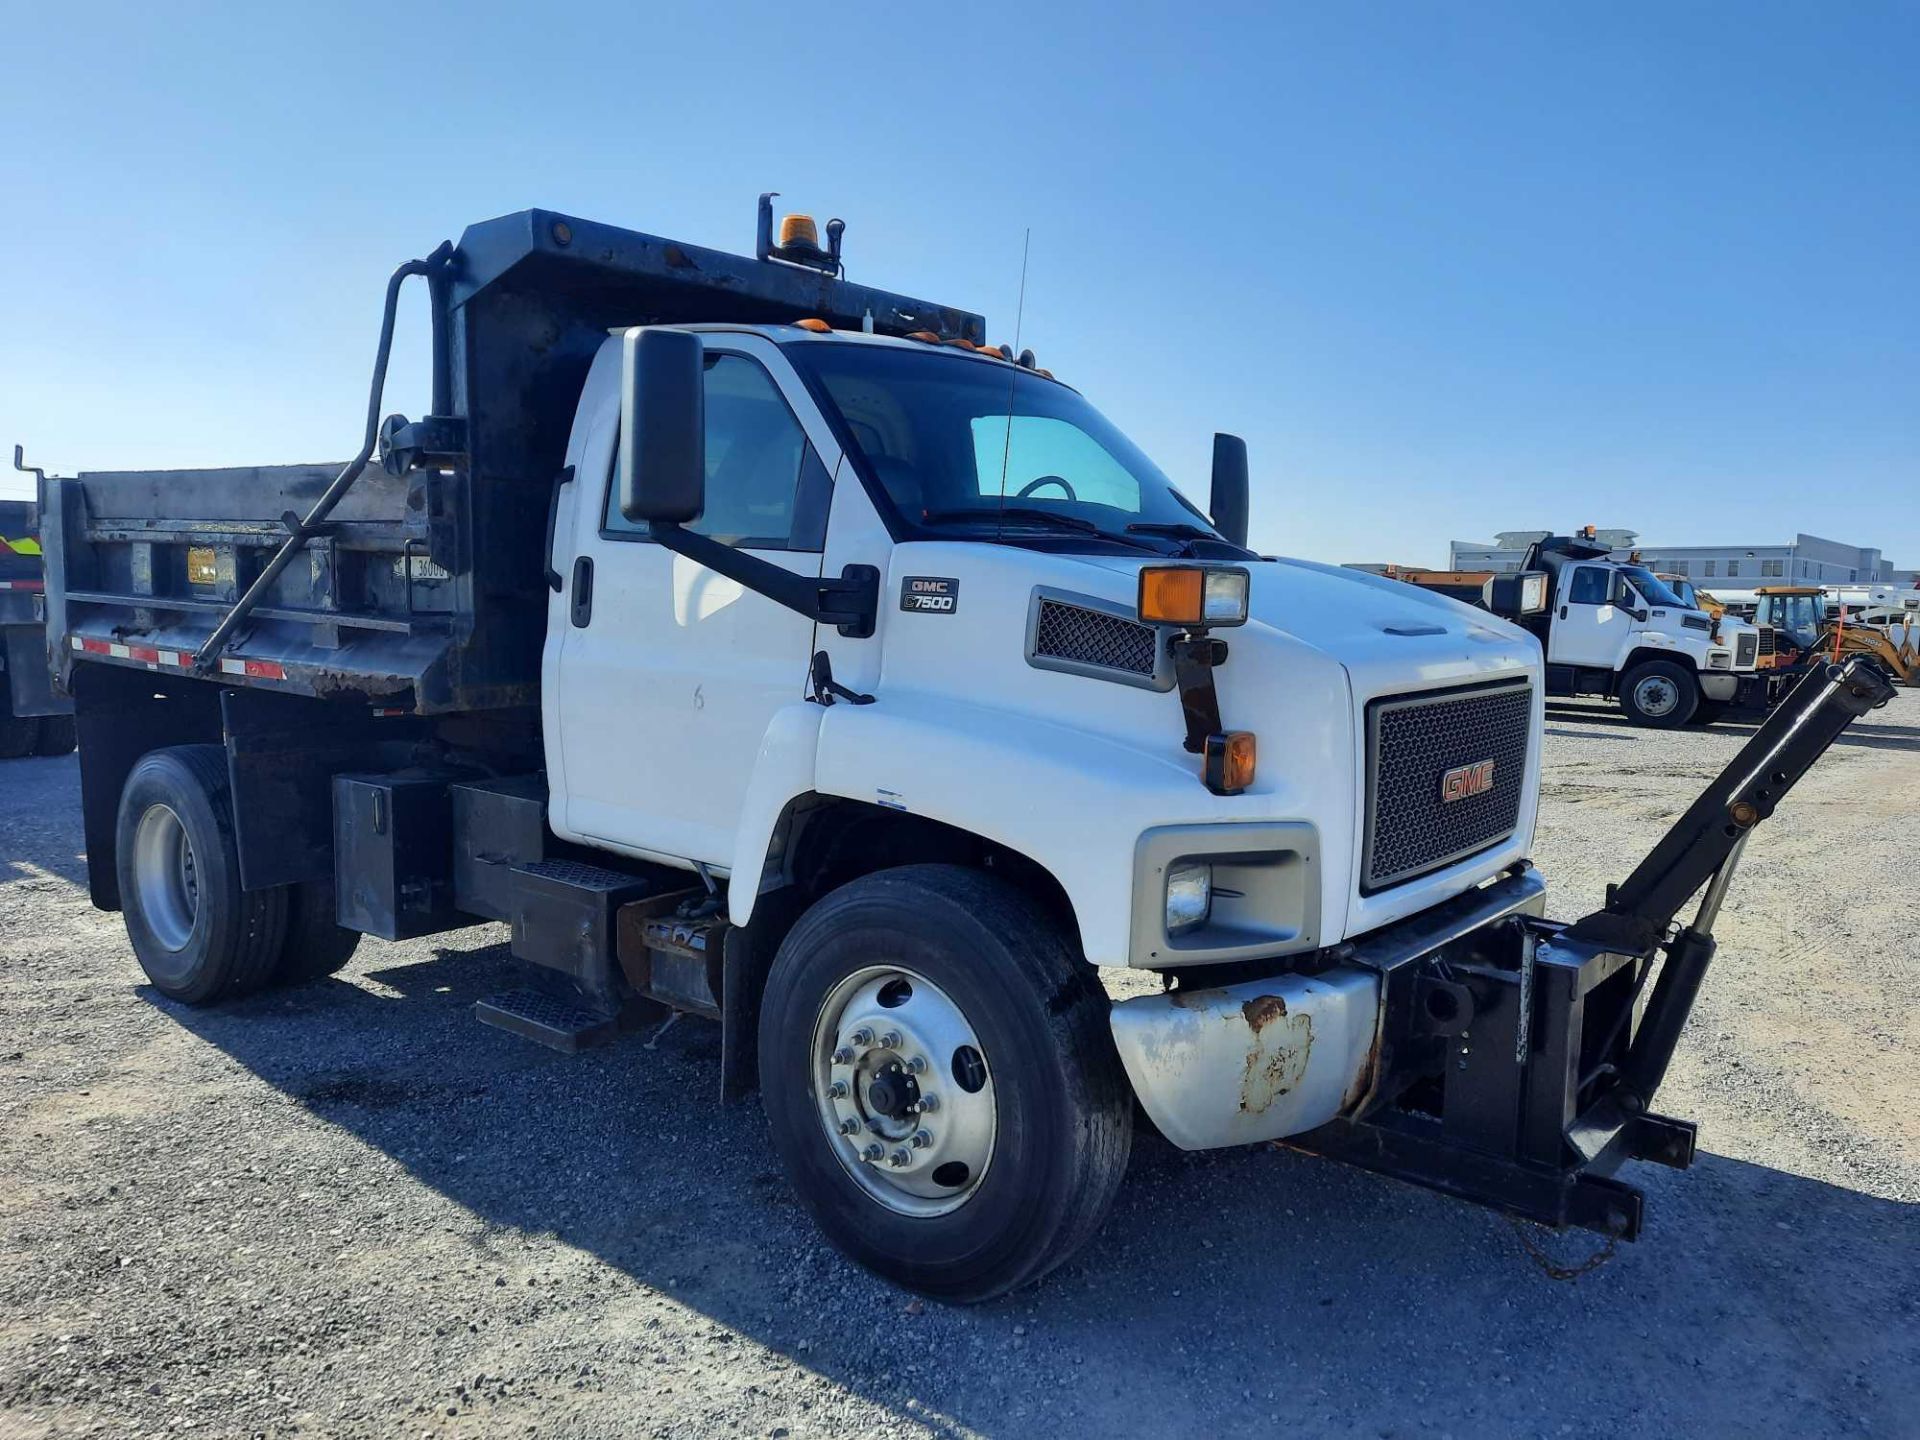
(424, 589)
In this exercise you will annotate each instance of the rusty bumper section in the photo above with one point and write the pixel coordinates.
(1277, 1056)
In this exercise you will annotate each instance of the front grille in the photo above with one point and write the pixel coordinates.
(1746, 649)
(1093, 637)
(1414, 743)
(1767, 641)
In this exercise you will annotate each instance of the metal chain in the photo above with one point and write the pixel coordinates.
(1551, 1267)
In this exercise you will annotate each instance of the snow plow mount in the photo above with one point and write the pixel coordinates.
(1515, 1063)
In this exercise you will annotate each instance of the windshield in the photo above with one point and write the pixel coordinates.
(1656, 590)
(970, 445)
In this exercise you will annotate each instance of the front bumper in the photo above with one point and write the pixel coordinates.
(1273, 1057)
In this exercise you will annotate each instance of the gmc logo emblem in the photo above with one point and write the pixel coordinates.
(1467, 780)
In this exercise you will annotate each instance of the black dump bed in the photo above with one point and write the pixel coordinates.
(425, 589)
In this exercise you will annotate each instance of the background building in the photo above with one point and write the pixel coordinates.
(1806, 558)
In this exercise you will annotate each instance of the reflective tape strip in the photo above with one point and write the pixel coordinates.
(177, 659)
(35, 585)
(19, 547)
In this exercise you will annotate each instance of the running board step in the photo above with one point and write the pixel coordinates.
(546, 1020)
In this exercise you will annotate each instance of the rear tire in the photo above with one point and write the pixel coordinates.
(18, 735)
(198, 935)
(56, 736)
(316, 947)
(1012, 1026)
(1659, 694)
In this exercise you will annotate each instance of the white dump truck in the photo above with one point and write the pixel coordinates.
(765, 646)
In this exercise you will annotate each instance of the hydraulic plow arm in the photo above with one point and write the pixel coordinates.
(1509, 1068)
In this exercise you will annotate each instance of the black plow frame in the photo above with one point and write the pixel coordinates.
(1516, 1063)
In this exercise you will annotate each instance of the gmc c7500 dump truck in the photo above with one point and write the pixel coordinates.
(768, 647)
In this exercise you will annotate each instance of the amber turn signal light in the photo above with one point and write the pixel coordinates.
(1229, 761)
(1173, 594)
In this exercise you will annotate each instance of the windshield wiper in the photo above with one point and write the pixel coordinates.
(1178, 530)
(1028, 514)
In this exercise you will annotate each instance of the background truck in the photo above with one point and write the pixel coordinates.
(767, 647)
(33, 719)
(1616, 629)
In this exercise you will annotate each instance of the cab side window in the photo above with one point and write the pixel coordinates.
(1589, 586)
(766, 488)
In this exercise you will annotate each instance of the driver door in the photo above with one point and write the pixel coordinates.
(670, 674)
(1589, 628)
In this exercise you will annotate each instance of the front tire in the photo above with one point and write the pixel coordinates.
(933, 983)
(1659, 694)
(198, 935)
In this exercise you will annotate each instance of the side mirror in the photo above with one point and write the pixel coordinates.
(1511, 596)
(663, 426)
(1228, 506)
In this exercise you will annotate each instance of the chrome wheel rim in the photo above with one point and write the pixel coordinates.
(1656, 695)
(904, 1091)
(167, 877)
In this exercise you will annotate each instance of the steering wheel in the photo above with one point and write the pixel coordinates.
(1033, 485)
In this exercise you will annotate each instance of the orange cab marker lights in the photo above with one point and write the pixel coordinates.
(1230, 761)
(818, 327)
(927, 336)
(1173, 595)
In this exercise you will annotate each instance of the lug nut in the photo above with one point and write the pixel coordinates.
(922, 1139)
(849, 1126)
(929, 1103)
(872, 1152)
(890, 1040)
(862, 1036)
(899, 1158)
(837, 1090)
(843, 1056)
(918, 1065)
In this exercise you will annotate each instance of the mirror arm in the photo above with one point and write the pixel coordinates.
(851, 602)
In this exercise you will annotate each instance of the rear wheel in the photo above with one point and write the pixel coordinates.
(197, 934)
(1660, 694)
(18, 735)
(940, 1081)
(56, 735)
(315, 946)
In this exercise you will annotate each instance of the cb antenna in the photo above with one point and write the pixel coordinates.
(1013, 378)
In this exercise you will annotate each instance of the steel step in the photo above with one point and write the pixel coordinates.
(546, 1020)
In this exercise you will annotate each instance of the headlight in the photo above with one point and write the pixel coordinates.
(1719, 660)
(1189, 897)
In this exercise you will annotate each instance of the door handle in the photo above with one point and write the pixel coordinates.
(1563, 612)
(582, 592)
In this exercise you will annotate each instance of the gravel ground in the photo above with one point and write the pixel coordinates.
(350, 1210)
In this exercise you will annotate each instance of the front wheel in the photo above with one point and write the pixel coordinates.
(941, 1082)
(1659, 694)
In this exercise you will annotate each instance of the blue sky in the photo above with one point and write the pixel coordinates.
(1451, 269)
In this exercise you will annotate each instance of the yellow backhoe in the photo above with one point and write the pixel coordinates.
(1798, 616)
